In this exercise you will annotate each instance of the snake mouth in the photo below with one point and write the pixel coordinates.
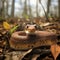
(30, 31)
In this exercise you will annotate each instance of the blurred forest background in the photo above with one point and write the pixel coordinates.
(29, 8)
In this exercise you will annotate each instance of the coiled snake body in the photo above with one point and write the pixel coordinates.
(31, 38)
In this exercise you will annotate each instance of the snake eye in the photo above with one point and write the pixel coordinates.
(36, 27)
(27, 26)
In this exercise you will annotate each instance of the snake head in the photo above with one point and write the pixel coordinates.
(30, 28)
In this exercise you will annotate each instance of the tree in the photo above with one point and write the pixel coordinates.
(48, 6)
(37, 13)
(13, 7)
(2, 8)
(6, 8)
(30, 13)
(7, 5)
(59, 8)
(25, 9)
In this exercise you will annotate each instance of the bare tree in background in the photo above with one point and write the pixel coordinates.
(13, 7)
(48, 6)
(25, 7)
(37, 13)
(2, 8)
(59, 8)
(6, 8)
(7, 5)
(30, 10)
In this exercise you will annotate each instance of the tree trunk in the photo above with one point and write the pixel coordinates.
(37, 14)
(7, 7)
(12, 9)
(3, 7)
(0, 7)
(48, 6)
(25, 9)
(59, 8)
(30, 13)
